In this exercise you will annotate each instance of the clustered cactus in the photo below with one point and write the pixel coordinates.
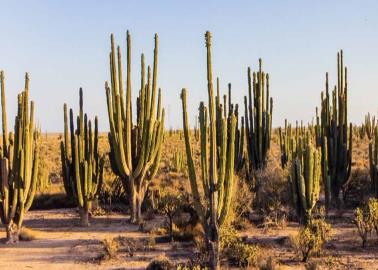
(228, 110)
(258, 118)
(82, 164)
(305, 177)
(217, 170)
(333, 135)
(19, 161)
(135, 149)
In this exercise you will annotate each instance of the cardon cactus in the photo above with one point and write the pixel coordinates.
(135, 150)
(217, 170)
(336, 141)
(373, 161)
(19, 161)
(258, 118)
(369, 126)
(228, 109)
(82, 164)
(305, 180)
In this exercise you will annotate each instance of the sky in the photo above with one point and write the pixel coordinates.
(64, 45)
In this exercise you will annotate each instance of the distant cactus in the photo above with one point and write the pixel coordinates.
(217, 171)
(336, 141)
(373, 161)
(82, 165)
(177, 161)
(135, 149)
(305, 179)
(369, 126)
(258, 118)
(19, 162)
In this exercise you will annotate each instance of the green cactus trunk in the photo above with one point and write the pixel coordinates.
(135, 150)
(258, 120)
(334, 137)
(82, 166)
(305, 180)
(19, 161)
(217, 167)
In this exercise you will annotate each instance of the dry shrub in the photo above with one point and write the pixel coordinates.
(366, 220)
(110, 249)
(27, 234)
(311, 238)
(238, 253)
(358, 188)
(241, 204)
(273, 197)
(160, 263)
(270, 264)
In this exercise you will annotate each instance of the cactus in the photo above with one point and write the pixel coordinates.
(258, 119)
(305, 179)
(334, 138)
(19, 161)
(217, 170)
(177, 161)
(369, 126)
(82, 165)
(135, 149)
(373, 161)
(228, 109)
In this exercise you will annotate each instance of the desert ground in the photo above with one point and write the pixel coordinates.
(59, 242)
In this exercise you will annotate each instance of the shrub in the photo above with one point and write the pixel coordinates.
(110, 247)
(270, 264)
(366, 219)
(311, 238)
(160, 263)
(237, 252)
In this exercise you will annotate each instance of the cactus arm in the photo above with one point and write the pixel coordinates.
(192, 172)
(229, 183)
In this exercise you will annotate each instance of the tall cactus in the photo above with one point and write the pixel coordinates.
(82, 164)
(228, 109)
(336, 141)
(373, 160)
(135, 149)
(217, 171)
(258, 118)
(19, 161)
(305, 179)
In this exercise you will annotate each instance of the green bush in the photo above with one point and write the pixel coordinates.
(311, 238)
(366, 220)
(238, 253)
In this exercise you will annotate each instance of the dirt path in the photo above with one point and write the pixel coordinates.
(62, 244)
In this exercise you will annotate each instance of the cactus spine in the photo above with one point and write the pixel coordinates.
(305, 179)
(82, 165)
(258, 118)
(19, 161)
(135, 149)
(217, 173)
(335, 140)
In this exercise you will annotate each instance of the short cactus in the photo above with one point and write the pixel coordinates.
(305, 180)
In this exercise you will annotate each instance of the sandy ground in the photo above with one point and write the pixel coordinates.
(62, 244)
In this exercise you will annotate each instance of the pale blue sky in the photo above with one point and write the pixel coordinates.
(64, 45)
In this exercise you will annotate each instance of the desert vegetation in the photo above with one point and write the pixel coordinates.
(233, 192)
